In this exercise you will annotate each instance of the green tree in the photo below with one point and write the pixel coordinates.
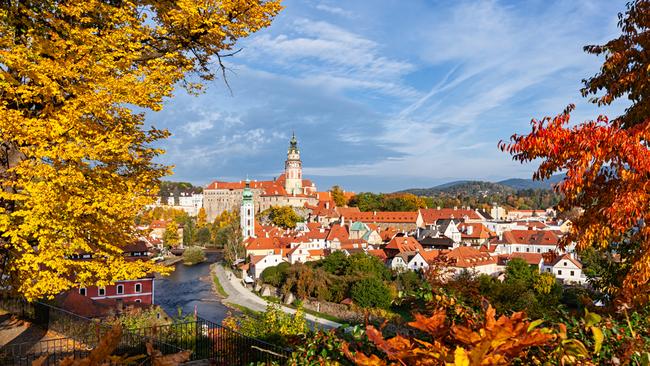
(335, 263)
(364, 265)
(366, 201)
(202, 236)
(518, 269)
(170, 236)
(338, 195)
(193, 255)
(371, 292)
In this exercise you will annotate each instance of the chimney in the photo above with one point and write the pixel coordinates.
(470, 229)
(455, 207)
(438, 207)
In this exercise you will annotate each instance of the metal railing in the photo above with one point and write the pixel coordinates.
(205, 339)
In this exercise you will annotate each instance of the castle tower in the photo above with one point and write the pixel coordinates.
(293, 168)
(247, 212)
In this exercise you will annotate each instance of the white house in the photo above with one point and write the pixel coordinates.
(258, 263)
(566, 268)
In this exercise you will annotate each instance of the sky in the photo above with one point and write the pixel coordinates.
(385, 95)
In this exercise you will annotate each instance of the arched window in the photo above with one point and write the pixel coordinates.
(120, 289)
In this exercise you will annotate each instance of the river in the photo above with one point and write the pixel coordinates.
(189, 287)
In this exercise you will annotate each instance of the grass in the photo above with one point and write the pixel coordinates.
(243, 309)
(220, 289)
(275, 300)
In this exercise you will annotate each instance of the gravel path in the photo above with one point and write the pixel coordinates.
(240, 295)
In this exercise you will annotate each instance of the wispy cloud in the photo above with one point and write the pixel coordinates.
(335, 10)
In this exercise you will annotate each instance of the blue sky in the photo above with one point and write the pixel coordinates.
(385, 95)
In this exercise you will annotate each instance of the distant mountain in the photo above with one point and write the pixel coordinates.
(519, 183)
(481, 188)
(464, 187)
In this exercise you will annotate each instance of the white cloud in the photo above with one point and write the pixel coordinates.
(335, 10)
(323, 54)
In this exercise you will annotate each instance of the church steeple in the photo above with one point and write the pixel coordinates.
(247, 212)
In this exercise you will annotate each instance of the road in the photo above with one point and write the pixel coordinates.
(240, 295)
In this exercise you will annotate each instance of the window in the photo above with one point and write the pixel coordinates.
(565, 263)
(572, 273)
(138, 287)
(559, 271)
(527, 250)
(120, 289)
(138, 300)
(102, 291)
(538, 250)
(82, 291)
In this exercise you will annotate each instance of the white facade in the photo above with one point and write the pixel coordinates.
(567, 270)
(247, 213)
(270, 260)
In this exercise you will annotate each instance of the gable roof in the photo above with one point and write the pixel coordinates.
(467, 257)
(404, 244)
(431, 215)
(531, 237)
(383, 216)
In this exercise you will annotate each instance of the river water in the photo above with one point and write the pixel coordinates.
(189, 287)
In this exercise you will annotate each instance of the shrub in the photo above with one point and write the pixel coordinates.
(193, 255)
(371, 292)
(272, 276)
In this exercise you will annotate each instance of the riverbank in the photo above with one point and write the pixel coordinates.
(241, 296)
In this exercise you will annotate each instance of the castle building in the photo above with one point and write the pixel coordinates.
(247, 212)
(289, 189)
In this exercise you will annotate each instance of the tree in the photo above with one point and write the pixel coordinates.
(371, 292)
(230, 238)
(363, 265)
(225, 218)
(203, 236)
(75, 158)
(193, 255)
(518, 269)
(606, 161)
(201, 218)
(335, 263)
(170, 236)
(338, 195)
(284, 216)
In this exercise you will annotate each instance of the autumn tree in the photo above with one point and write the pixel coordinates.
(338, 195)
(170, 236)
(606, 161)
(283, 216)
(201, 218)
(224, 219)
(75, 157)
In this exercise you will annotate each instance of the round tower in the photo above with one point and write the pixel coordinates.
(293, 168)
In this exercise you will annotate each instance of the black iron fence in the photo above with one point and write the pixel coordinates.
(206, 340)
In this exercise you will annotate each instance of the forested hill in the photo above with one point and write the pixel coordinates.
(469, 188)
(515, 193)
(168, 188)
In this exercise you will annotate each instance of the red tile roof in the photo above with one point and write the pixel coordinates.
(468, 257)
(383, 216)
(530, 258)
(379, 253)
(431, 215)
(533, 237)
(338, 232)
(479, 231)
(404, 244)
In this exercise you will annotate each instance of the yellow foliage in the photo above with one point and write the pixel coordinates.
(76, 161)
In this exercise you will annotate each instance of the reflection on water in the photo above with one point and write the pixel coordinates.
(188, 287)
